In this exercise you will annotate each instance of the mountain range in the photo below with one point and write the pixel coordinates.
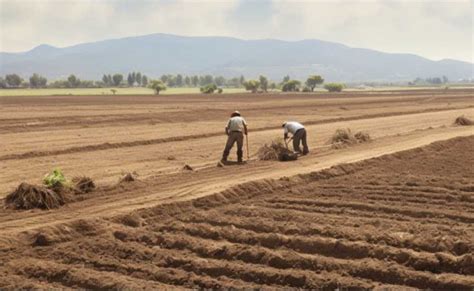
(158, 54)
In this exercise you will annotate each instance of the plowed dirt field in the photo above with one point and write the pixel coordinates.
(395, 212)
(404, 219)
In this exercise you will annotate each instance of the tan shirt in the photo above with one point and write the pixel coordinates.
(292, 127)
(236, 123)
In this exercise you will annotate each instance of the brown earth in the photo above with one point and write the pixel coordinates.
(104, 137)
(403, 219)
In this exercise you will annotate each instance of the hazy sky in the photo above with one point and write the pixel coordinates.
(433, 29)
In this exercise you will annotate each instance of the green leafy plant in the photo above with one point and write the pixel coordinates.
(55, 179)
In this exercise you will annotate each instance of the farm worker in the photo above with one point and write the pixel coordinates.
(298, 133)
(235, 130)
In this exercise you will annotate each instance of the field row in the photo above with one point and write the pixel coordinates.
(365, 225)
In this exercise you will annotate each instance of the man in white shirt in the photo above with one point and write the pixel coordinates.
(235, 130)
(298, 132)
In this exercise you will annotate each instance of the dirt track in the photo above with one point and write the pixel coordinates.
(398, 220)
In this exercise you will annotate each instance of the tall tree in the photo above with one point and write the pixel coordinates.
(117, 79)
(171, 81)
(241, 80)
(314, 81)
(164, 78)
(13, 80)
(37, 81)
(105, 79)
(73, 81)
(219, 80)
(179, 80)
(286, 79)
(187, 81)
(207, 80)
(144, 81)
(195, 81)
(130, 80)
(263, 83)
(138, 78)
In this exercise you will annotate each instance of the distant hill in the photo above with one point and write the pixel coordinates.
(157, 54)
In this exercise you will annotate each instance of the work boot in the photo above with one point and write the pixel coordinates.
(224, 157)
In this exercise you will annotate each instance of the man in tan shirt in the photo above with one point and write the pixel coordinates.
(235, 130)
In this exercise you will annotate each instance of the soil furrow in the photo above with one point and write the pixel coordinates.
(259, 224)
(405, 211)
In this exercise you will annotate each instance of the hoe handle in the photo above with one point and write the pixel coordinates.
(247, 145)
(287, 141)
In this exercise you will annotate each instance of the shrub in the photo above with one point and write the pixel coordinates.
(306, 89)
(291, 86)
(209, 89)
(251, 85)
(157, 85)
(334, 87)
(220, 90)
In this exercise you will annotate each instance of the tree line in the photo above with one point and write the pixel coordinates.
(134, 79)
(430, 81)
(210, 85)
(207, 83)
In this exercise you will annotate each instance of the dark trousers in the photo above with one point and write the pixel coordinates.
(298, 137)
(234, 137)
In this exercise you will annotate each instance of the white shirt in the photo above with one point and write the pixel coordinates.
(292, 127)
(236, 123)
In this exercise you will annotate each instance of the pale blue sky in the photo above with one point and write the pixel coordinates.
(433, 29)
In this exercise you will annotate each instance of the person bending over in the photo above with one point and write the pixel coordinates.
(298, 133)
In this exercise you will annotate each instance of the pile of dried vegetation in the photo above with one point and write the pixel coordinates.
(83, 184)
(462, 120)
(276, 151)
(52, 194)
(345, 137)
(28, 196)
